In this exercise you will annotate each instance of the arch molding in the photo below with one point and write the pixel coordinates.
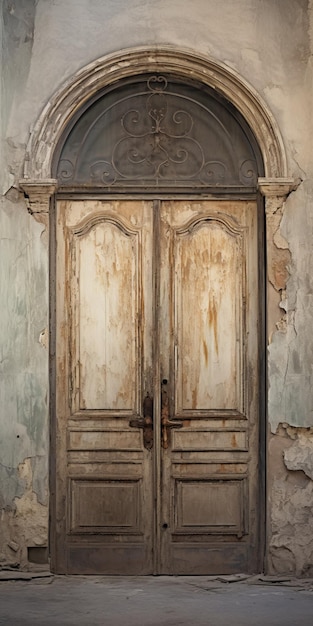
(126, 63)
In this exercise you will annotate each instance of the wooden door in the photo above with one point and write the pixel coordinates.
(209, 331)
(104, 486)
(157, 302)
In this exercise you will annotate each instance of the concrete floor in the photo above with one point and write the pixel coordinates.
(154, 601)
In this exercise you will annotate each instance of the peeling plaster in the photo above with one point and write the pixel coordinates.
(290, 370)
(11, 486)
(300, 454)
(23, 381)
(13, 194)
(26, 524)
(291, 501)
(291, 546)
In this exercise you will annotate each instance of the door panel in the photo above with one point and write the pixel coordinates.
(208, 272)
(108, 256)
(157, 300)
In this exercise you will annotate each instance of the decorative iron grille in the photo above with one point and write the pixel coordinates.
(159, 133)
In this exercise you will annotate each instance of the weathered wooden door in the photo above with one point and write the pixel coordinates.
(157, 387)
(209, 367)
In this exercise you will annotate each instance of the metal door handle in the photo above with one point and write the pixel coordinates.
(145, 422)
(166, 423)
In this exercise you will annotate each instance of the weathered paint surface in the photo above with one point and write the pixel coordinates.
(24, 382)
(107, 275)
(106, 328)
(270, 45)
(104, 345)
(209, 372)
(290, 373)
(17, 31)
(209, 477)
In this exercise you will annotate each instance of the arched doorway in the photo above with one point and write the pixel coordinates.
(158, 320)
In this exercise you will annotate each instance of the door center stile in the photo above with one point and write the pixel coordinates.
(156, 261)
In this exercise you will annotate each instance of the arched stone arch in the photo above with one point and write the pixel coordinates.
(112, 68)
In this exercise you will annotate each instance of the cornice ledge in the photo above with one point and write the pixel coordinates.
(38, 193)
(279, 187)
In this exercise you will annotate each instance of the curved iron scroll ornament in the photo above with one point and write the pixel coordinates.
(162, 143)
(157, 135)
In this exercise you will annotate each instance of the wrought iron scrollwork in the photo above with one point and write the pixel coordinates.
(65, 169)
(158, 136)
(103, 172)
(248, 172)
(157, 140)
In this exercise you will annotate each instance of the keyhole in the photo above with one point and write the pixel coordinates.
(164, 381)
(165, 526)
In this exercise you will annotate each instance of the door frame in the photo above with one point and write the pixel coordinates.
(41, 189)
(193, 196)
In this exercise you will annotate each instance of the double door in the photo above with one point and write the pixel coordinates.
(156, 439)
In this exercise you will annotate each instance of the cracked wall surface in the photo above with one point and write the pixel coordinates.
(270, 45)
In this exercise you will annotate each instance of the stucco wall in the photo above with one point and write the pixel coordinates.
(269, 44)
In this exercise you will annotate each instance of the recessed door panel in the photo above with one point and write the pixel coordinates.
(208, 314)
(107, 274)
(103, 505)
(209, 506)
